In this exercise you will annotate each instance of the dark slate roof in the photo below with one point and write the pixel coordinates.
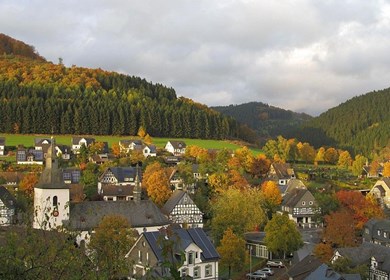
(324, 272)
(178, 144)
(7, 198)
(12, 177)
(302, 269)
(2, 141)
(292, 198)
(87, 215)
(153, 148)
(113, 190)
(72, 174)
(38, 155)
(172, 201)
(363, 253)
(76, 140)
(383, 225)
(121, 173)
(352, 276)
(184, 238)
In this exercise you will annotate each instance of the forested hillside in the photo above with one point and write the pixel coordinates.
(361, 124)
(267, 121)
(41, 97)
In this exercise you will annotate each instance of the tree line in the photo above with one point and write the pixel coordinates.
(41, 97)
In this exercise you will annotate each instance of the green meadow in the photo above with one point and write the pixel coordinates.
(28, 141)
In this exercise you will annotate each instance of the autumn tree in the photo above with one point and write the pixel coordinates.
(232, 251)
(345, 160)
(116, 149)
(109, 244)
(272, 197)
(141, 132)
(96, 148)
(340, 229)
(148, 139)
(89, 180)
(386, 169)
(331, 155)
(260, 166)
(358, 164)
(306, 152)
(156, 183)
(320, 155)
(28, 183)
(282, 235)
(323, 251)
(219, 182)
(238, 209)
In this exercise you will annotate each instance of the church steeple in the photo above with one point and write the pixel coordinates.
(137, 189)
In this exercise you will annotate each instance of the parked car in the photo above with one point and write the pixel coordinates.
(275, 264)
(257, 275)
(267, 271)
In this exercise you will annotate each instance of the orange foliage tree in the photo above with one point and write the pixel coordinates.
(386, 169)
(28, 183)
(272, 197)
(156, 183)
(362, 208)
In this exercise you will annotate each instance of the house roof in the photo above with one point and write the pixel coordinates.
(76, 140)
(113, 190)
(294, 184)
(324, 272)
(121, 173)
(127, 142)
(42, 141)
(282, 170)
(172, 201)
(385, 180)
(72, 174)
(363, 253)
(256, 237)
(7, 198)
(12, 176)
(184, 238)
(302, 269)
(178, 144)
(87, 215)
(377, 224)
(292, 198)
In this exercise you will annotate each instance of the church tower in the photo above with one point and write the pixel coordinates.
(51, 195)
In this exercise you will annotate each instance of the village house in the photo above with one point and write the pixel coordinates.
(177, 148)
(77, 142)
(381, 191)
(301, 207)
(126, 146)
(200, 256)
(9, 178)
(2, 146)
(43, 144)
(29, 156)
(117, 183)
(7, 207)
(256, 245)
(377, 231)
(181, 209)
(281, 173)
(370, 171)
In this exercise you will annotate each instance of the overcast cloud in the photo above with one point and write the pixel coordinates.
(306, 56)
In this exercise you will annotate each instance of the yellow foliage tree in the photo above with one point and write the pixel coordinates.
(386, 169)
(156, 183)
(28, 183)
(272, 197)
(219, 182)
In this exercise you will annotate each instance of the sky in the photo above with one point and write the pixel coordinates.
(305, 56)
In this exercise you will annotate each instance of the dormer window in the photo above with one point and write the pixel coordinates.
(191, 259)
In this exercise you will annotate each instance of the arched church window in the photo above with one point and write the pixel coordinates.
(55, 200)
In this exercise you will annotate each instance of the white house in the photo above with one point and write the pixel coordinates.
(7, 207)
(77, 142)
(177, 148)
(2, 146)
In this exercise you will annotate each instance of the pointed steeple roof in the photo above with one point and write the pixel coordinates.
(137, 189)
(51, 177)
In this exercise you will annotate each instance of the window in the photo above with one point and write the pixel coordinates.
(55, 200)
(140, 256)
(197, 272)
(303, 202)
(208, 270)
(184, 272)
(310, 202)
(190, 259)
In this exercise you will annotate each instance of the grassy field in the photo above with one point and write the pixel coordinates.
(28, 141)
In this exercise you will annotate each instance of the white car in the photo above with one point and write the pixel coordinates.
(267, 271)
(257, 275)
(275, 264)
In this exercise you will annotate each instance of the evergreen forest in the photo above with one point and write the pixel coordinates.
(37, 96)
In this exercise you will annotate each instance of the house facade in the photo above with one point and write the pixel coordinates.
(192, 246)
(77, 142)
(29, 156)
(301, 207)
(181, 209)
(177, 148)
(377, 231)
(281, 173)
(256, 245)
(7, 207)
(381, 191)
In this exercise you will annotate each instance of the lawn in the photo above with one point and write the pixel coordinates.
(28, 141)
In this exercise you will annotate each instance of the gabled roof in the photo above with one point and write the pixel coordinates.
(72, 174)
(127, 142)
(113, 190)
(178, 144)
(302, 269)
(7, 198)
(42, 141)
(294, 184)
(324, 272)
(87, 215)
(292, 198)
(173, 201)
(183, 238)
(385, 180)
(282, 170)
(76, 140)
